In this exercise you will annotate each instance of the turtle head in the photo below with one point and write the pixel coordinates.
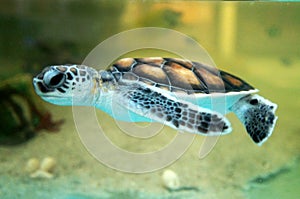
(66, 85)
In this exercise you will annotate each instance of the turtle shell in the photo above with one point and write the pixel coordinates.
(176, 75)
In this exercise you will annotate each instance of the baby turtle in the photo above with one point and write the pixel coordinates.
(185, 95)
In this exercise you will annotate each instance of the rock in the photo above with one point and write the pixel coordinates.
(170, 180)
(32, 165)
(48, 164)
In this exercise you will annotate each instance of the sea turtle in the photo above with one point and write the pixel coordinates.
(177, 92)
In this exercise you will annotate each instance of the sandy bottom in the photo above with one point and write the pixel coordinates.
(235, 168)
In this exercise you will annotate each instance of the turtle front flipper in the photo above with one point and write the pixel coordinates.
(258, 116)
(175, 113)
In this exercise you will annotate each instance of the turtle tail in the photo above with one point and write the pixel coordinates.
(258, 116)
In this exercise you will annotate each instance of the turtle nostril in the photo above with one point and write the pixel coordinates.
(40, 76)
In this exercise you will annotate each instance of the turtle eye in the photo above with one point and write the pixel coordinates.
(54, 79)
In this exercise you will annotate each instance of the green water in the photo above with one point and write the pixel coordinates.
(264, 50)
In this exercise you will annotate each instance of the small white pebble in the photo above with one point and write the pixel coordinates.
(170, 179)
(48, 164)
(32, 165)
(41, 174)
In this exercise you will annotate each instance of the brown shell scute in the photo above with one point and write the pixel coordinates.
(213, 82)
(234, 83)
(125, 64)
(153, 73)
(182, 77)
(175, 75)
(156, 61)
(185, 63)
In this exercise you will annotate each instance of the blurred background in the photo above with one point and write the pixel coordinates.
(258, 41)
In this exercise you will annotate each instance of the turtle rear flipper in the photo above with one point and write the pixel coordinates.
(258, 116)
(175, 113)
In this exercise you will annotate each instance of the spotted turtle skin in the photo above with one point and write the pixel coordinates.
(179, 115)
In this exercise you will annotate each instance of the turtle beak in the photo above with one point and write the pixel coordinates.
(38, 82)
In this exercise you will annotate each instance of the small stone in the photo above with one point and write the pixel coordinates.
(170, 180)
(32, 165)
(41, 174)
(48, 164)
